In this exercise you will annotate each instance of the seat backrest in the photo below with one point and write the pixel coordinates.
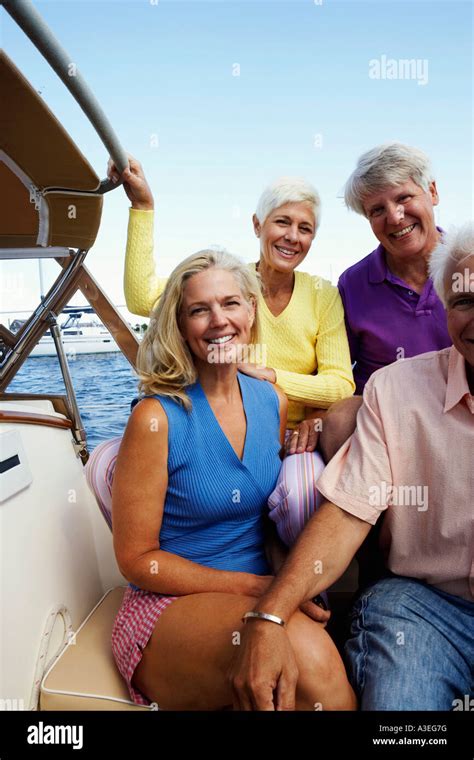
(100, 470)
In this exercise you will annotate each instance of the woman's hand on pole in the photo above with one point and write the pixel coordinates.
(134, 183)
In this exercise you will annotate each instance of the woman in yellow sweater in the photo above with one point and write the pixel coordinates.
(304, 339)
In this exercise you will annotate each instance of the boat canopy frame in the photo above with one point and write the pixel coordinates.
(53, 204)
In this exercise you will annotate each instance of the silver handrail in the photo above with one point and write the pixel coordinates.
(27, 17)
(78, 431)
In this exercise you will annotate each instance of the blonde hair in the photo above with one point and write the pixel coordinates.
(165, 364)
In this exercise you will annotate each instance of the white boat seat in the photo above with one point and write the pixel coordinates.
(85, 676)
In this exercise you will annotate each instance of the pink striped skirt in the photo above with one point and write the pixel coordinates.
(132, 629)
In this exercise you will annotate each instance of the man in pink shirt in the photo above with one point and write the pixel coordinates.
(411, 457)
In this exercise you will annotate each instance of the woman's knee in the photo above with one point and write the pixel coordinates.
(295, 499)
(100, 470)
(322, 682)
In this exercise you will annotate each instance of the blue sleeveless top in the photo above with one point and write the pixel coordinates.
(215, 502)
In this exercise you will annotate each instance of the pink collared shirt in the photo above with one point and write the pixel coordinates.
(412, 454)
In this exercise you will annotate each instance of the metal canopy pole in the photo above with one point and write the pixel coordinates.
(78, 428)
(28, 19)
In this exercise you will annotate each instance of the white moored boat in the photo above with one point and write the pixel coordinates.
(81, 333)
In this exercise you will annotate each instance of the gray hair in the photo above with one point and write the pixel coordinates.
(387, 165)
(457, 245)
(288, 190)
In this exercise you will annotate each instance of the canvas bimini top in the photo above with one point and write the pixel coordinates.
(50, 192)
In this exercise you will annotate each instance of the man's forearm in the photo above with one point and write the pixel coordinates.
(319, 557)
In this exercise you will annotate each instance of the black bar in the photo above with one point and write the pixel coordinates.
(8, 464)
(147, 733)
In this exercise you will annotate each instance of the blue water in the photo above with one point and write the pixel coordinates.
(105, 384)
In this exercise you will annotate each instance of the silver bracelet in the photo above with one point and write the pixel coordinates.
(263, 616)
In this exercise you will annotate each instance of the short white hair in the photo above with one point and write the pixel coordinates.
(457, 245)
(387, 165)
(288, 190)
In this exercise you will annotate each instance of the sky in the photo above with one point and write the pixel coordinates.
(218, 98)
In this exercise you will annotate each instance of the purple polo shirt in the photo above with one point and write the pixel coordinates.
(385, 319)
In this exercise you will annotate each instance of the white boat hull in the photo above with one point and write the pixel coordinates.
(76, 346)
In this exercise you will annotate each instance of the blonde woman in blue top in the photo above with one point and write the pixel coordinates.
(199, 458)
